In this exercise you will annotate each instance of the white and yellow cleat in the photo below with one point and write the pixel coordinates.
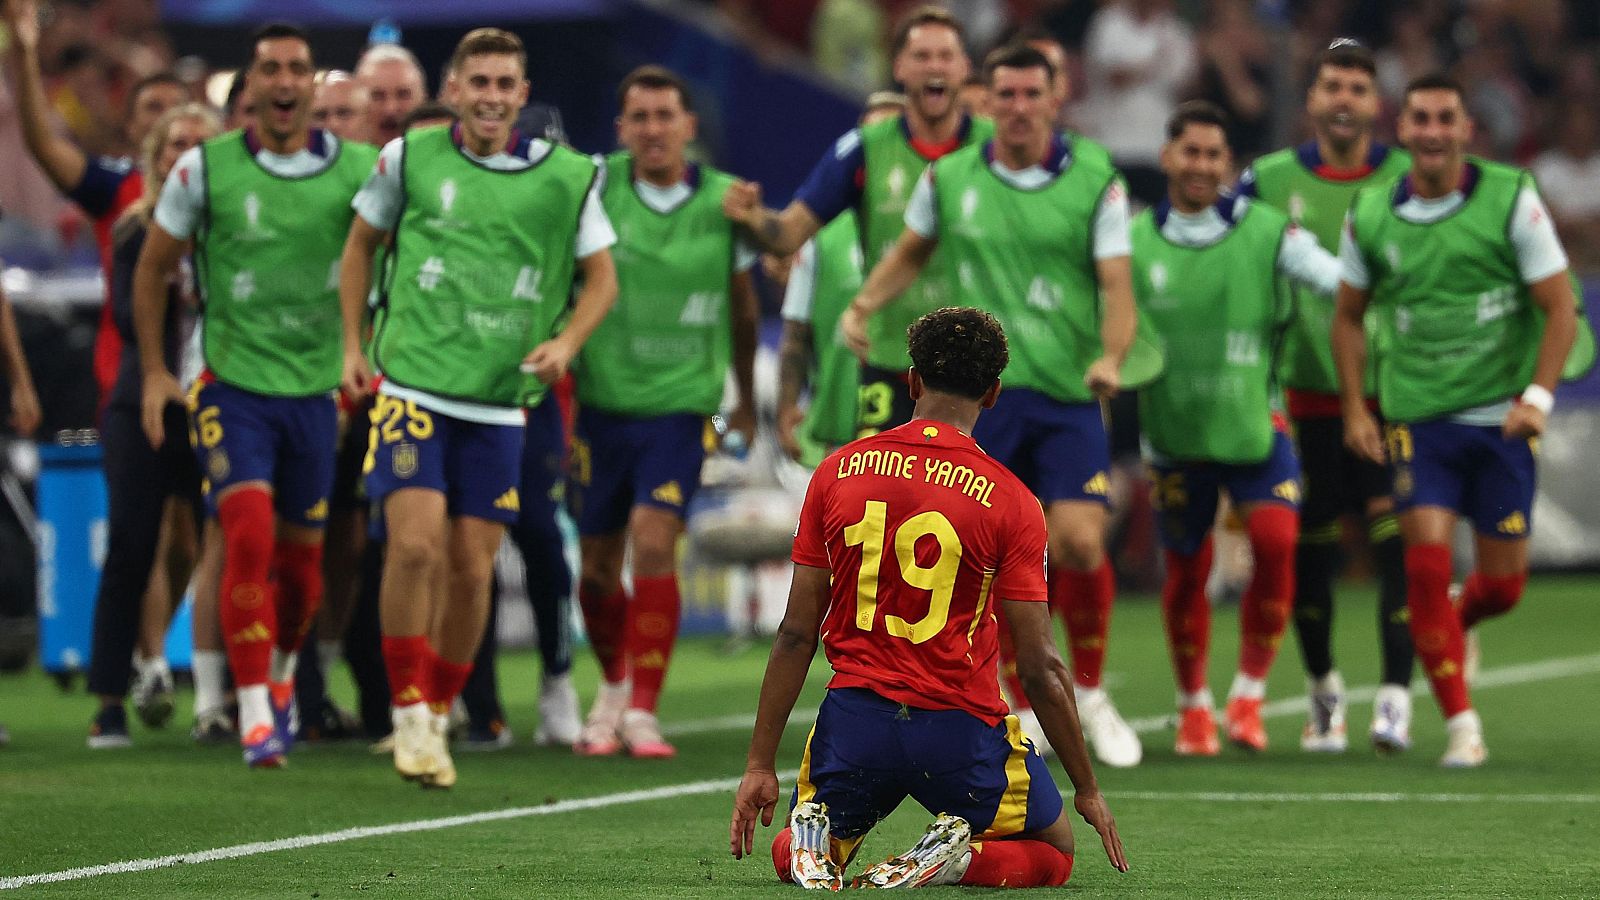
(811, 864)
(414, 756)
(941, 857)
(444, 768)
(1466, 749)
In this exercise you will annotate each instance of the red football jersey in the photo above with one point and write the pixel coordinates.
(923, 534)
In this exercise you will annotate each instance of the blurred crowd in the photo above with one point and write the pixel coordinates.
(1532, 69)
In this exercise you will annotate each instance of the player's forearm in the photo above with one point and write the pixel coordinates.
(1119, 320)
(63, 162)
(150, 280)
(1049, 688)
(1560, 330)
(894, 273)
(355, 286)
(787, 665)
(1349, 339)
(594, 301)
(782, 233)
(16, 362)
(746, 325)
(794, 363)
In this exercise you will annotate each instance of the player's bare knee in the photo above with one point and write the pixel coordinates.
(1081, 550)
(412, 554)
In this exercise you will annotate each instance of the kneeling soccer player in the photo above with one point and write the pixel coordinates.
(914, 707)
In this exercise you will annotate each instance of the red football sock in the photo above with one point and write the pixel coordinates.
(1017, 864)
(606, 621)
(652, 632)
(443, 680)
(1435, 627)
(249, 618)
(406, 660)
(1084, 599)
(1187, 615)
(1264, 611)
(299, 569)
(781, 847)
(1008, 663)
(1487, 596)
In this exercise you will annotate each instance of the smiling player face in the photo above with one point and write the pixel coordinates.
(1195, 162)
(282, 81)
(1435, 127)
(932, 66)
(1342, 104)
(490, 89)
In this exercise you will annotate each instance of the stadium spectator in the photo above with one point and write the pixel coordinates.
(847, 42)
(340, 105)
(395, 86)
(1138, 60)
(1569, 178)
(1235, 74)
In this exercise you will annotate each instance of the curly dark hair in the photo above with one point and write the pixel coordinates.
(958, 350)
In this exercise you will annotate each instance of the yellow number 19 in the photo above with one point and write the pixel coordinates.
(938, 579)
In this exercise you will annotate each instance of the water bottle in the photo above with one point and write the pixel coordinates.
(384, 31)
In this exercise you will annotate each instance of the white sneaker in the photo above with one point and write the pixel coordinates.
(414, 748)
(941, 857)
(1028, 721)
(1472, 658)
(598, 737)
(444, 768)
(1391, 719)
(1115, 742)
(1466, 749)
(558, 713)
(1325, 716)
(810, 862)
(152, 693)
(641, 736)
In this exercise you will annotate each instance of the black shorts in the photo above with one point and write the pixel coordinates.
(885, 401)
(1335, 480)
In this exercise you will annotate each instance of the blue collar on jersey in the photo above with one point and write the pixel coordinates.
(521, 147)
(1226, 206)
(961, 132)
(317, 143)
(1310, 154)
(1057, 157)
(1405, 190)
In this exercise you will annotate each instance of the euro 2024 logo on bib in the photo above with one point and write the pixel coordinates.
(253, 229)
(895, 183)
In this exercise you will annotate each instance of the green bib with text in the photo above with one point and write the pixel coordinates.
(482, 269)
(892, 169)
(1027, 257)
(1217, 307)
(267, 258)
(667, 344)
(836, 376)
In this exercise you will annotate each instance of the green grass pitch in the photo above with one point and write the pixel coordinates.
(1284, 824)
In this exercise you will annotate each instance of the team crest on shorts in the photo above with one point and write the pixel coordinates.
(217, 464)
(405, 460)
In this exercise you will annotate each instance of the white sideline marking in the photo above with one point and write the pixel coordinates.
(301, 842)
(1507, 675)
(1270, 797)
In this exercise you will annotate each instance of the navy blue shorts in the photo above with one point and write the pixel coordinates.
(619, 462)
(1059, 450)
(1472, 469)
(867, 753)
(1186, 494)
(475, 465)
(288, 442)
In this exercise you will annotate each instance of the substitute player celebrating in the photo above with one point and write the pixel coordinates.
(1206, 272)
(907, 541)
(871, 171)
(1035, 225)
(1462, 262)
(490, 229)
(1313, 184)
(267, 209)
(647, 384)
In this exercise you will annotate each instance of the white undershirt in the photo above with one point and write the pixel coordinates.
(1300, 258)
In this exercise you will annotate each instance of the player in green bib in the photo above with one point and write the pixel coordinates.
(1208, 272)
(871, 171)
(823, 280)
(488, 232)
(1314, 184)
(266, 209)
(1034, 225)
(1461, 261)
(647, 385)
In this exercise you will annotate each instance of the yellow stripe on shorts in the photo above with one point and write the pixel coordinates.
(1012, 815)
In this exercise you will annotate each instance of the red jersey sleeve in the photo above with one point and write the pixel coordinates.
(1023, 547)
(810, 545)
